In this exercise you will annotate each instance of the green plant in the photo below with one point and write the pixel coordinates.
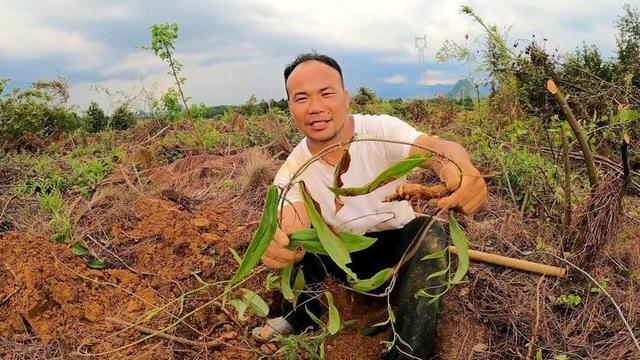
(53, 205)
(252, 301)
(169, 104)
(96, 119)
(40, 110)
(199, 111)
(603, 282)
(122, 118)
(86, 175)
(163, 44)
(228, 184)
(572, 300)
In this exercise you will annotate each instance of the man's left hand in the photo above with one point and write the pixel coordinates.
(467, 184)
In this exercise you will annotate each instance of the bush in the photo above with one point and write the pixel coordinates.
(122, 118)
(96, 119)
(40, 110)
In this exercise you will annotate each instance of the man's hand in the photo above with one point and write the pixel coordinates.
(277, 255)
(469, 190)
(455, 169)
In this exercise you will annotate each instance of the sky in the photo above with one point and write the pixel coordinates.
(232, 49)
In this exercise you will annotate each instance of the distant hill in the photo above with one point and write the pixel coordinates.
(463, 88)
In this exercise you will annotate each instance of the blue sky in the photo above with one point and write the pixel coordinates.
(233, 49)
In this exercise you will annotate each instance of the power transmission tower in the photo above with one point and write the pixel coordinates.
(420, 44)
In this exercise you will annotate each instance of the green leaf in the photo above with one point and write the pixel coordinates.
(460, 241)
(262, 237)
(315, 318)
(235, 255)
(285, 282)
(151, 314)
(308, 240)
(58, 238)
(396, 171)
(335, 247)
(241, 308)
(437, 274)
(539, 354)
(436, 255)
(97, 264)
(298, 283)
(78, 250)
(374, 282)
(256, 303)
(273, 282)
(392, 316)
(356, 242)
(334, 316)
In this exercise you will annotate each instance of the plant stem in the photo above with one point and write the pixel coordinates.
(577, 130)
(567, 181)
(178, 82)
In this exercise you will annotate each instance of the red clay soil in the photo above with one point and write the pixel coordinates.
(157, 251)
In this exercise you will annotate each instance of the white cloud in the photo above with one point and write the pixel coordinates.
(140, 62)
(436, 77)
(257, 37)
(230, 82)
(23, 38)
(395, 79)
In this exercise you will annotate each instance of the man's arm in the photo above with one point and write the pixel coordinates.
(466, 182)
(294, 217)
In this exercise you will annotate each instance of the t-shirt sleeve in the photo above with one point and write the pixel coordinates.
(393, 128)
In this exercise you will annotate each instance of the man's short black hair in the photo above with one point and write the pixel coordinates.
(313, 56)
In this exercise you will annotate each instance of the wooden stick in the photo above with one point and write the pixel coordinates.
(513, 263)
(577, 130)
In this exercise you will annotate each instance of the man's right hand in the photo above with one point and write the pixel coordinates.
(277, 255)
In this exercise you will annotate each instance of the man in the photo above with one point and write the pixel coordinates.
(319, 104)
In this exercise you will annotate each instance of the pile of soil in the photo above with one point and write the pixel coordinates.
(161, 239)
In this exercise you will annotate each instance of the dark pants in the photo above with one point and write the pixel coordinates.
(415, 317)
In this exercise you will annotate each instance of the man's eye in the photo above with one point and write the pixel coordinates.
(328, 94)
(301, 99)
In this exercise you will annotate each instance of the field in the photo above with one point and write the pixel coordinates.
(121, 232)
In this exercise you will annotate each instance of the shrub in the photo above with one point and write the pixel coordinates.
(122, 118)
(40, 110)
(96, 119)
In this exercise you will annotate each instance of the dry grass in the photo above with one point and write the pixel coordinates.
(516, 313)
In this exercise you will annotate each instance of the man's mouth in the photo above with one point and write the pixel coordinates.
(319, 124)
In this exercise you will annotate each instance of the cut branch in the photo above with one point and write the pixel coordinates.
(524, 265)
(577, 130)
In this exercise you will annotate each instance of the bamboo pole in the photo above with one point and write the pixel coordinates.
(577, 130)
(513, 263)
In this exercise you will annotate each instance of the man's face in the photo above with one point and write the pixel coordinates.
(317, 100)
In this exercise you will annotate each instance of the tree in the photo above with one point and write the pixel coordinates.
(122, 118)
(96, 120)
(364, 96)
(628, 44)
(163, 39)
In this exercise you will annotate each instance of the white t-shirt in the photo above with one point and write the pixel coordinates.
(362, 213)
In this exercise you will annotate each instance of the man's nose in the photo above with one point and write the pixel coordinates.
(316, 105)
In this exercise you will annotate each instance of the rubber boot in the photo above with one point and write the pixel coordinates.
(416, 317)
